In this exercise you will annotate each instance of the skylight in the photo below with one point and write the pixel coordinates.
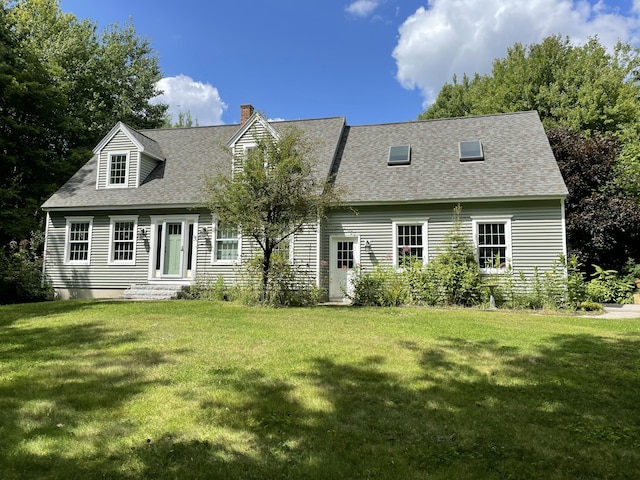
(399, 155)
(471, 150)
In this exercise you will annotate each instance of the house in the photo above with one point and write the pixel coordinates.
(131, 215)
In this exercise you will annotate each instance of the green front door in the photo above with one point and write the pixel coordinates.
(173, 249)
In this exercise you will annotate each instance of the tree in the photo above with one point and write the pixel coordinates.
(271, 195)
(32, 127)
(603, 222)
(583, 87)
(64, 87)
(588, 99)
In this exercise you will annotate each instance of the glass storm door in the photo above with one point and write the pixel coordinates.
(343, 257)
(173, 249)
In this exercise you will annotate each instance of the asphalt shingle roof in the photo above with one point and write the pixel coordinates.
(518, 162)
(192, 154)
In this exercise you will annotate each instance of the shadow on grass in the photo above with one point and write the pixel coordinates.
(478, 410)
(63, 376)
(472, 410)
(23, 311)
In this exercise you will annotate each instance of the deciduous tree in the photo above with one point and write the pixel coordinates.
(272, 194)
(63, 86)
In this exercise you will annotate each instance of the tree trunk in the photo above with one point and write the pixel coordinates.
(266, 266)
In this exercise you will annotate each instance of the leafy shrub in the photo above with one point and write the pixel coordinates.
(547, 289)
(591, 306)
(288, 285)
(21, 278)
(576, 285)
(453, 276)
(607, 287)
(203, 288)
(380, 287)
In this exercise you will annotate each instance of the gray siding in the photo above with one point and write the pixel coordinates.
(146, 167)
(119, 143)
(536, 231)
(99, 273)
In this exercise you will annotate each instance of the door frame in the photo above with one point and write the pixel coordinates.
(333, 257)
(156, 272)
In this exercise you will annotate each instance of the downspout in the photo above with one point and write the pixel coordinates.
(44, 251)
(564, 235)
(318, 248)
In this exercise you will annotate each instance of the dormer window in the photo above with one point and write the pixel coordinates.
(118, 169)
(471, 151)
(399, 155)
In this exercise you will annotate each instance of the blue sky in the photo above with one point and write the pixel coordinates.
(373, 61)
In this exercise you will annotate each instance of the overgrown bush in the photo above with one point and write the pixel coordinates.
(21, 278)
(204, 288)
(381, 287)
(607, 287)
(288, 285)
(451, 278)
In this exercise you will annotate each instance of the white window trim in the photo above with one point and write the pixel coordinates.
(424, 223)
(123, 218)
(506, 219)
(67, 244)
(214, 247)
(291, 239)
(110, 155)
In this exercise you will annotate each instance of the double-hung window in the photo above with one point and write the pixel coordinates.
(410, 242)
(492, 238)
(227, 247)
(118, 169)
(122, 248)
(78, 240)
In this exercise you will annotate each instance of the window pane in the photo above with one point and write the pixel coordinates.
(409, 241)
(345, 254)
(79, 241)
(118, 172)
(492, 245)
(226, 243)
(123, 240)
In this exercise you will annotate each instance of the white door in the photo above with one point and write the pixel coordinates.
(344, 256)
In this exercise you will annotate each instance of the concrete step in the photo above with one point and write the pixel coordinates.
(151, 292)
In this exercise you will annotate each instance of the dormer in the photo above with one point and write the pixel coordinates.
(253, 126)
(125, 158)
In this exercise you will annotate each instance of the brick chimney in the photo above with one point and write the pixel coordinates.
(245, 112)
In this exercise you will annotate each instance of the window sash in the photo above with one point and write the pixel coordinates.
(118, 169)
(226, 243)
(78, 241)
(492, 245)
(409, 243)
(123, 241)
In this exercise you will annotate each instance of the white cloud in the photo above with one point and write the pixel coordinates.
(183, 94)
(465, 36)
(362, 8)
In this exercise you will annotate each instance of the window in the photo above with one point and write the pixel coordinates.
(471, 151)
(493, 242)
(78, 244)
(344, 255)
(284, 250)
(399, 155)
(118, 172)
(409, 242)
(227, 244)
(123, 240)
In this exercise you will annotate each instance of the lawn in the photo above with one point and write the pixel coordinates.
(187, 390)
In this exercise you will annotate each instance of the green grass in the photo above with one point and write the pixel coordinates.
(186, 390)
